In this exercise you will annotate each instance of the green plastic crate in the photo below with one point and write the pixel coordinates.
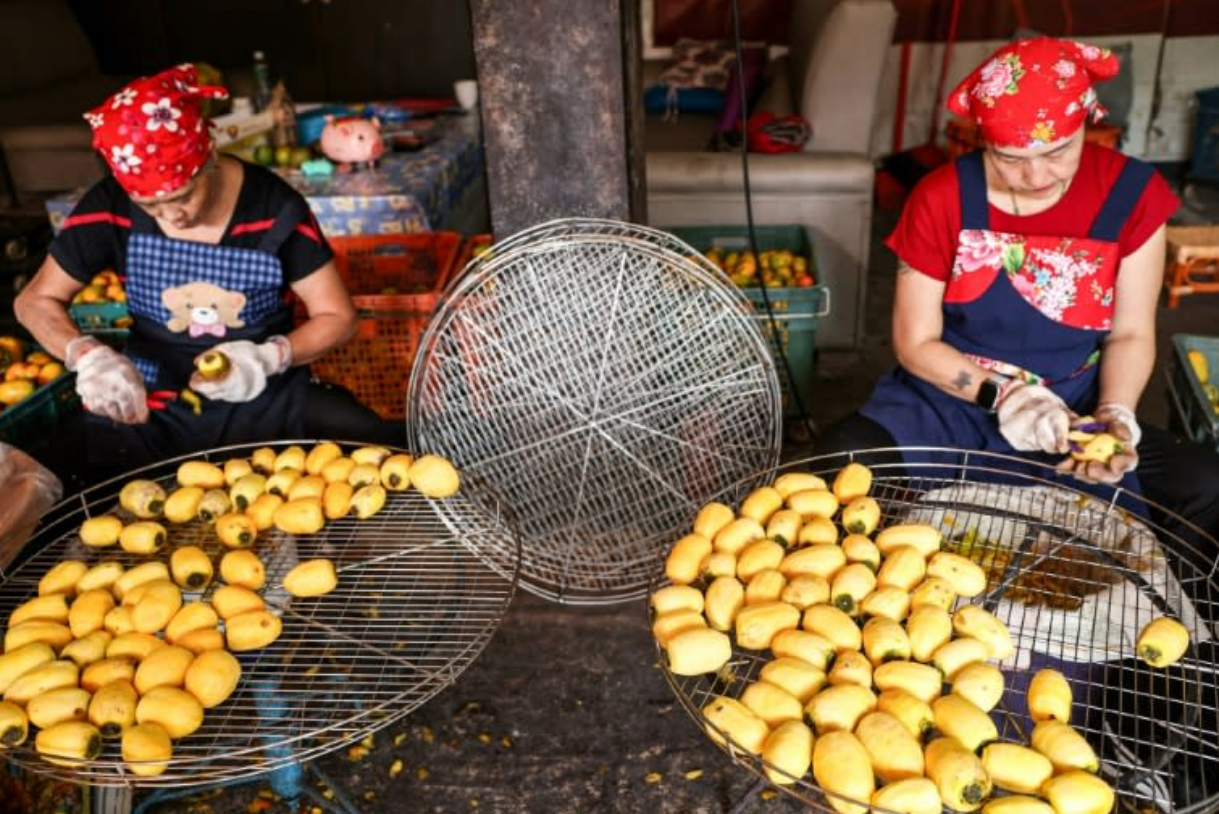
(1199, 413)
(22, 423)
(99, 318)
(791, 321)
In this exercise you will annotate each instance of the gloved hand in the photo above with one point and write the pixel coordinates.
(250, 364)
(107, 381)
(1034, 419)
(1120, 422)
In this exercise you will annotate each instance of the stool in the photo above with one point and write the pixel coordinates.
(1193, 262)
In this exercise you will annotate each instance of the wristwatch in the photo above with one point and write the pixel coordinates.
(988, 395)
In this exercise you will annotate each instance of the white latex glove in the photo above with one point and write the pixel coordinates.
(1034, 419)
(250, 364)
(1116, 415)
(107, 381)
(1120, 422)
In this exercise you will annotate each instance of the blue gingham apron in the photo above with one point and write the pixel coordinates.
(163, 346)
(1000, 324)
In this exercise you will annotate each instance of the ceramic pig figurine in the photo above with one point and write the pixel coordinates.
(352, 140)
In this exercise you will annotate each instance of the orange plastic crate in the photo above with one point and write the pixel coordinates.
(392, 272)
(395, 282)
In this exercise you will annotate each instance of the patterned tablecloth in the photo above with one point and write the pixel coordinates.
(406, 191)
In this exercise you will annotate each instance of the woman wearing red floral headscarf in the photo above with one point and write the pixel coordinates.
(1029, 273)
(208, 247)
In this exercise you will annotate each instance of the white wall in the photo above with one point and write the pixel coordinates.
(1189, 64)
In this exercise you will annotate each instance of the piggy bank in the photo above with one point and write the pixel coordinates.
(352, 140)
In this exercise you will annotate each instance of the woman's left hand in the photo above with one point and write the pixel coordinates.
(1120, 422)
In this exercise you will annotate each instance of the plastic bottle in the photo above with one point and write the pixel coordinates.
(262, 81)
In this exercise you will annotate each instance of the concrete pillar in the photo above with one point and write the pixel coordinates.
(556, 91)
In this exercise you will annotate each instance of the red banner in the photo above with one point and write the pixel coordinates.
(761, 20)
(928, 20)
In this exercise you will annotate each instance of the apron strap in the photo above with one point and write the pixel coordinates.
(1122, 198)
(971, 187)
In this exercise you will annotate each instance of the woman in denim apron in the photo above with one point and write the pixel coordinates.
(209, 248)
(1027, 288)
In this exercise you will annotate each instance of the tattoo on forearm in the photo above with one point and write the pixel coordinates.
(963, 380)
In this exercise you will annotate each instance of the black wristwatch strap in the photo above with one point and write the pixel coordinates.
(988, 395)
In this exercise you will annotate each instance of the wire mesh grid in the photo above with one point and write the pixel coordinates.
(1075, 576)
(605, 387)
(423, 585)
(564, 228)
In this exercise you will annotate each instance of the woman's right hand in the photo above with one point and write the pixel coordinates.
(1120, 422)
(107, 381)
(1032, 418)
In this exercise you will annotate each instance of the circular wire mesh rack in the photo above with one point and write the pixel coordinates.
(423, 585)
(605, 380)
(597, 227)
(1074, 575)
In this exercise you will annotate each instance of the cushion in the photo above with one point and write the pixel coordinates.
(695, 81)
(836, 89)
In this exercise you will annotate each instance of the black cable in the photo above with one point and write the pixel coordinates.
(776, 339)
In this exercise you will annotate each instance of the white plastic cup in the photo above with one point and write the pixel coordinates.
(466, 92)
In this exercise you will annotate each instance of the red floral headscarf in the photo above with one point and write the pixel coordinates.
(1034, 92)
(153, 133)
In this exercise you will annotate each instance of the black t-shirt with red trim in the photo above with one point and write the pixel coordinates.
(94, 237)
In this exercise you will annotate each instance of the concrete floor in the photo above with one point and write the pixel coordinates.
(567, 710)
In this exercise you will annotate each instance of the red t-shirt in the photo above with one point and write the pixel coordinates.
(926, 233)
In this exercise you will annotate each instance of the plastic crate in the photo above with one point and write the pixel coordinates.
(1199, 413)
(393, 272)
(100, 316)
(790, 324)
(395, 282)
(1204, 163)
(24, 421)
(107, 321)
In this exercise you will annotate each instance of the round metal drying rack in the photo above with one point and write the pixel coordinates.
(1153, 730)
(606, 380)
(423, 585)
(564, 228)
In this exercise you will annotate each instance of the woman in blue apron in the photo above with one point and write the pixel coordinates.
(1028, 281)
(209, 249)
